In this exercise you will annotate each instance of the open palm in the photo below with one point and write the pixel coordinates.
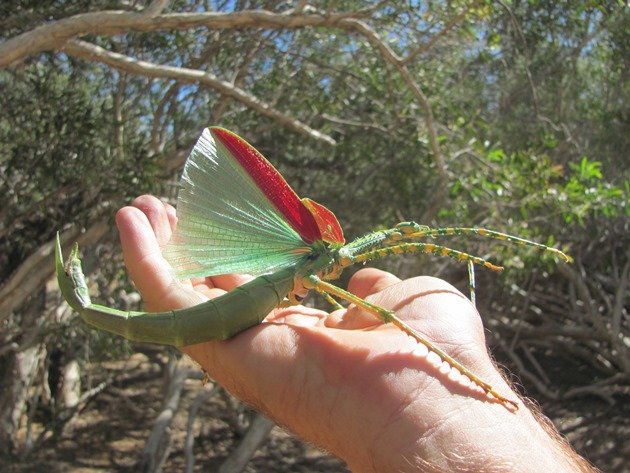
(341, 380)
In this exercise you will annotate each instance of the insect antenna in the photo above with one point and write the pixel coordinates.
(413, 231)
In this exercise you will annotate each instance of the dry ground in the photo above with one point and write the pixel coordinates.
(111, 431)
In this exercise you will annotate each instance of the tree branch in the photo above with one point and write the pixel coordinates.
(131, 65)
(424, 47)
(55, 34)
(392, 58)
(59, 34)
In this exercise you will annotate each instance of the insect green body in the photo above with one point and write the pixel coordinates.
(216, 319)
(297, 246)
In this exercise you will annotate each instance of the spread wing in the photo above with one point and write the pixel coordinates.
(226, 223)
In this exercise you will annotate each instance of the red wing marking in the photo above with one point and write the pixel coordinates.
(326, 221)
(272, 184)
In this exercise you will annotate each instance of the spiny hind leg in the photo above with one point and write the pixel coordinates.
(330, 299)
(388, 316)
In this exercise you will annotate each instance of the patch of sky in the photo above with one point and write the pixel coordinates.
(228, 6)
(325, 84)
(566, 35)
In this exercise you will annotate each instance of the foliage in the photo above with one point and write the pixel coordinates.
(57, 161)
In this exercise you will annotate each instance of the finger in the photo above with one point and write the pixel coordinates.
(141, 251)
(163, 219)
(414, 299)
(424, 293)
(148, 269)
(172, 216)
(369, 281)
(157, 216)
(363, 283)
(227, 282)
(435, 308)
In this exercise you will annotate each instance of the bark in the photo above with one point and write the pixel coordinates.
(157, 447)
(21, 371)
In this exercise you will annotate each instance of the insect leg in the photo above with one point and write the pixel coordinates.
(409, 248)
(471, 282)
(388, 316)
(331, 300)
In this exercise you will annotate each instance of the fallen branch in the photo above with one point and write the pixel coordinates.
(203, 396)
(157, 447)
(257, 433)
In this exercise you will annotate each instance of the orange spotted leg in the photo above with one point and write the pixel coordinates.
(409, 248)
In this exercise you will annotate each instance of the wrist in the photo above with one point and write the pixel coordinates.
(472, 435)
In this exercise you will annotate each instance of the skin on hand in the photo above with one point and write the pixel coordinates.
(343, 381)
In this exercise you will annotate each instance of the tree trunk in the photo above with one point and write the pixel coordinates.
(21, 371)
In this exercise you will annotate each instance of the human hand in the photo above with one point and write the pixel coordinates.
(347, 383)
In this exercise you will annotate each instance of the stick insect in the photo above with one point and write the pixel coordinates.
(237, 214)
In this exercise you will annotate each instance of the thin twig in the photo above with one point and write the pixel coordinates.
(424, 47)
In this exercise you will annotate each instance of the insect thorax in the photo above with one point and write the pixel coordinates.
(324, 261)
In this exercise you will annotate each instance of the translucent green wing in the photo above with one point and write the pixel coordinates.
(226, 224)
